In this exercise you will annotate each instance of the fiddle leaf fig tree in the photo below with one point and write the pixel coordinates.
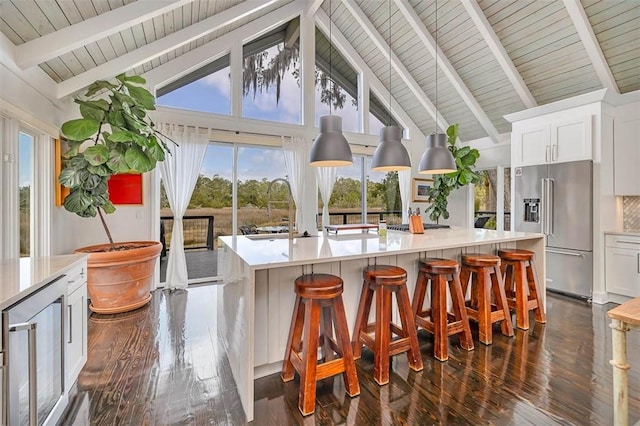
(114, 135)
(444, 184)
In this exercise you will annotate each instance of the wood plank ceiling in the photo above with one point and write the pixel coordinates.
(542, 44)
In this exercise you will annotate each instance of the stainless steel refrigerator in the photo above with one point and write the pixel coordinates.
(556, 200)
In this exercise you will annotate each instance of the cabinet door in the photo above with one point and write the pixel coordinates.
(623, 271)
(531, 145)
(626, 157)
(77, 334)
(571, 140)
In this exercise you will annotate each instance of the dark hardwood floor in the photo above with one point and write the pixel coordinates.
(163, 365)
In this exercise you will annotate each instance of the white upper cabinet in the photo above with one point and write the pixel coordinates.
(626, 154)
(551, 139)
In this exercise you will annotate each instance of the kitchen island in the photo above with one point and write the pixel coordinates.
(255, 302)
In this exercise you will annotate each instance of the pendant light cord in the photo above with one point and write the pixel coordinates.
(330, 55)
(436, 50)
(389, 109)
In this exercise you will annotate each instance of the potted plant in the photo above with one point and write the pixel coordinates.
(114, 135)
(443, 185)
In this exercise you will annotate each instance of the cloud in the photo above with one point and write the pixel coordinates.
(220, 80)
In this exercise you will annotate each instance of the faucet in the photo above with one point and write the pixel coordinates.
(291, 204)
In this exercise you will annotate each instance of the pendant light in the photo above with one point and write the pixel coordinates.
(330, 148)
(390, 155)
(437, 159)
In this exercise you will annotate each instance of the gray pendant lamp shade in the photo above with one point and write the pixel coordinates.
(437, 159)
(330, 148)
(390, 154)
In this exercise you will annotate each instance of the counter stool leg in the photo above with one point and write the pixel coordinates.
(506, 270)
(349, 376)
(419, 294)
(409, 328)
(439, 316)
(295, 334)
(383, 336)
(457, 299)
(464, 280)
(501, 302)
(483, 293)
(534, 289)
(326, 331)
(307, 395)
(362, 318)
(522, 297)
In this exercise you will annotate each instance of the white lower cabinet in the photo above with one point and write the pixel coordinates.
(77, 324)
(622, 265)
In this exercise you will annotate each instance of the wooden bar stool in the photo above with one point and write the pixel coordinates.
(385, 280)
(438, 273)
(484, 270)
(318, 308)
(521, 287)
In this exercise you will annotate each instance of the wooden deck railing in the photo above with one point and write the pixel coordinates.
(194, 227)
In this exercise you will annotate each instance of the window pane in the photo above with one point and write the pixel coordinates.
(271, 87)
(257, 212)
(485, 200)
(343, 94)
(507, 198)
(345, 205)
(383, 196)
(208, 216)
(25, 172)
(210, 93)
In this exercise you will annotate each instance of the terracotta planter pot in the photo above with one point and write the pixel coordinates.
(120, 281)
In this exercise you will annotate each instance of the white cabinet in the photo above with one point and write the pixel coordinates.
(622, 265)
(77, 323)
(551, 140)
(626, 155)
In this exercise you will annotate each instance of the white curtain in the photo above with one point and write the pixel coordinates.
(326, 180)
(404, 180)
(180, 171)
(296, 155)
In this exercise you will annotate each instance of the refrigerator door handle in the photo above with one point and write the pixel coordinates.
(550, 205)
(543, 207)
(638, 263)
(568, 253)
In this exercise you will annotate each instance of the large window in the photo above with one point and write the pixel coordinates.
(380, 189)
(25, 176)
(488, 192)
(271, 86)
(341, 97)
(207, 89)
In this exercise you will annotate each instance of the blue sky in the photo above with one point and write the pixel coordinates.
(212, 94)
(25, 158)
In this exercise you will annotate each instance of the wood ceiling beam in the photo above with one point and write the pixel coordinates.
(67, 39)
(591, 44)
(314, 5)
(495, 45)
(340, 42)
(362, 20)
(161, 46)
(450, 72)
(209, 52)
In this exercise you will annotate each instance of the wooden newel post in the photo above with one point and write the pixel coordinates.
(620, 367)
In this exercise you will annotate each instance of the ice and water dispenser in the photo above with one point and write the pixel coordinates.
(532, 210)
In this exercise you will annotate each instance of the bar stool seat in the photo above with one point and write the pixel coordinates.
(383, 281)
(317, 311)
(438, 274)
(521, 286)
(484, 271)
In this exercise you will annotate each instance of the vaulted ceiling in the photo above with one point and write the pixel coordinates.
(494, 57)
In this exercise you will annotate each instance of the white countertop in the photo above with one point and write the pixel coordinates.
(277, 251)
(21, 277)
